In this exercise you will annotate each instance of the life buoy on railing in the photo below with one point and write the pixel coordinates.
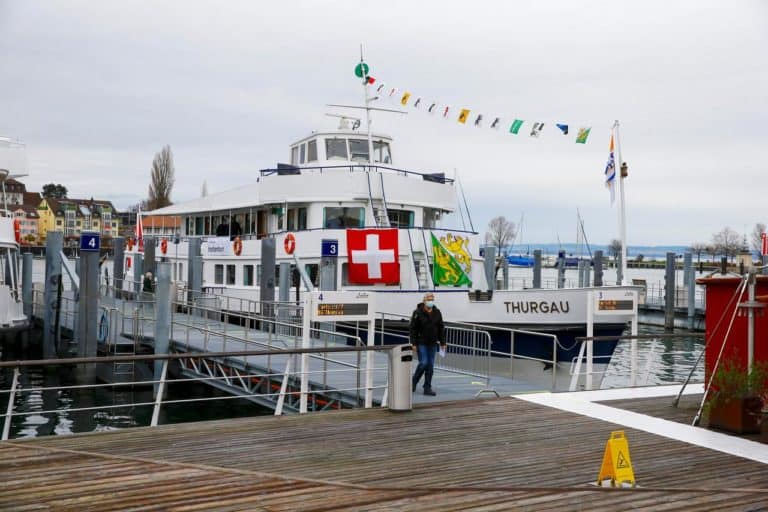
(130, 244)
(17, 230)
(127, 262)
(164, 246)
(237, 246)
(289, 244)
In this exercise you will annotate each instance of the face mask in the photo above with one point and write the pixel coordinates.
(430, 304)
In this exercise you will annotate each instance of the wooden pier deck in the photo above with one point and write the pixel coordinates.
(489, 454)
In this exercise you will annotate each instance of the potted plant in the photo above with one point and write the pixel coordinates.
(737, 397)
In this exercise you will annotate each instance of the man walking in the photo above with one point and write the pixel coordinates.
(427, 331)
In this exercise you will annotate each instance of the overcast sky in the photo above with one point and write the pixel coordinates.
(96, 88)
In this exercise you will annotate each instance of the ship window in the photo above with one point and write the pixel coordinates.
(218, 274)
(335, 149)
(294, 156)
(343, 217)
(230, 274)
(313, 271)
(381, 152)
(400, 218)
(247, 275)
(312, 151)
(358, 148)
(303, 153)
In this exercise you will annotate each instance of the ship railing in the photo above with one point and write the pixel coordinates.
(651, 360)
(498, 362)
(362, 167)
(309, 398)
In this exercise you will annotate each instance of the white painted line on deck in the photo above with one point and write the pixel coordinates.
(581, 403)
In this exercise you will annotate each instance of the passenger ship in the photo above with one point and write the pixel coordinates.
(341, 181)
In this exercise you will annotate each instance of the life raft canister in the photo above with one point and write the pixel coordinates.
(17, 230)
(164, 246)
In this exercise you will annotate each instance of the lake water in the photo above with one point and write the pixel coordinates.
(660, 361)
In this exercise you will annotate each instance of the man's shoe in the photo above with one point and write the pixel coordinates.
(428, 391)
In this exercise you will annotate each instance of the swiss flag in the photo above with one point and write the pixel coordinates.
(373, 256)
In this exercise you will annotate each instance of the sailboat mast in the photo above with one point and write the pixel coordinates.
(622, 203)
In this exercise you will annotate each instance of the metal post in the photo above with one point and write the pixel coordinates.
(587, 273)
(88, 309)
(194, 270)
(11, 400)
(149, 254)
(561, 269)
(26, 284)
(162, 316)
(669, 292)
(490, 267)
(590, 334)
(537, 268)
(138, 274)
(690, 271)
(54, 244)
(118, 274)
(633, 344)
(598, 268)
(284, 294)
(305, 343)
(159, 395)
(504, 273)
(369, 365)
(751, 320)
(267, 284)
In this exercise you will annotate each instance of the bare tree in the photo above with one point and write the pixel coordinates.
(757, 238)
(162, 179)
(726, 242)
(501, 232)
(614, 249)
(698, 248)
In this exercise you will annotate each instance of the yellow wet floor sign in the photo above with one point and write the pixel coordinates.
(617, 465)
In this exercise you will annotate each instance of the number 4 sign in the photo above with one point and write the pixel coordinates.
(90, 242)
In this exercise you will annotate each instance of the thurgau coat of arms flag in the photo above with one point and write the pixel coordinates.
(445, 269)
(373, 256)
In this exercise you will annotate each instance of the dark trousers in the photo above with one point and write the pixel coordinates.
(426, 365)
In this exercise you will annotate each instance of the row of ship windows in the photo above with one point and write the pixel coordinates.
(250, 275)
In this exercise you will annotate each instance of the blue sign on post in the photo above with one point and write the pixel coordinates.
(90, 242)
(329, 248)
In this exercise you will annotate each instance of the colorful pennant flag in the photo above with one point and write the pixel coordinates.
(416, 105)
(516, 125)
(536, 130)
(404, 99)
(610, 171)
(479, 119)
(563, 128)
(446, 270)
(581, 137)
(380, 87)
(370, 80)
(392, 92)
(463, 115)
(445, 112)
(495, 123)
(431, 107)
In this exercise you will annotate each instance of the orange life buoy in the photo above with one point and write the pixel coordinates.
(289, 244)
(17, 230)
(127, 262)
(237, 246)
(130, 244)
(164, 246)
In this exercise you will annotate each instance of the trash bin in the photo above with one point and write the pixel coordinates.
(400, 394)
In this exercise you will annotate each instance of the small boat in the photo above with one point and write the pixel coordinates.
(519, 260)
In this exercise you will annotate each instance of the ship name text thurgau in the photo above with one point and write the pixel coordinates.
(542, 306)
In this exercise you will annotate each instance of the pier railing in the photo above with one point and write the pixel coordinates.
(281, 393)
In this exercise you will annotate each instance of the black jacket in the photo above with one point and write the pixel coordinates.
(427, 328)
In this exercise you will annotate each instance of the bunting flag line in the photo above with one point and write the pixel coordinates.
(515, 127)
(581, 137)
(479, 120)
(610, 172)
